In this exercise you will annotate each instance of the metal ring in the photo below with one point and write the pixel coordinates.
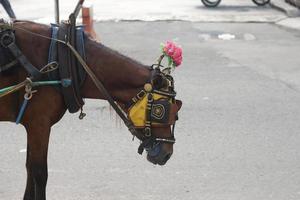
(28, 88)
(5, 39)
(147, 132)
(150, 97)
(28, 96)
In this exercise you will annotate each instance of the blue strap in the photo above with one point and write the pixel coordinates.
(22, 110)
(81, 50)
(63, 82)
(52, 56)
(80, 41)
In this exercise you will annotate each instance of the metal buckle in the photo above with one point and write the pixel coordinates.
(141, 94)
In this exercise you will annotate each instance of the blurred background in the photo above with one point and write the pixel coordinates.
(238, 134)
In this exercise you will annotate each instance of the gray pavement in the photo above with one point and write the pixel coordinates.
(238, 130)
(238, 134)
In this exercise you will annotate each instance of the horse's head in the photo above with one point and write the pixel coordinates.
(153, 112)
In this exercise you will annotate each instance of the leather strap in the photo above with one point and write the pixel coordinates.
(8, 41)
(68, 68)
(8, 65)
(53, 48)
(33, 71)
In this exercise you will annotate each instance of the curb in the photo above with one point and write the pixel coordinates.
(292, 23)
(290, 10)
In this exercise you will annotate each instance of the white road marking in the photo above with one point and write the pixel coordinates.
(226, 36)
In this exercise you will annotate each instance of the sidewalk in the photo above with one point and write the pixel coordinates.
(293, 23)
(154, 10)
(293, 13)
(288, 9)
(143, 10)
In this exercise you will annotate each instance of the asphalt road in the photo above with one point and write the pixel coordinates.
(238, 134)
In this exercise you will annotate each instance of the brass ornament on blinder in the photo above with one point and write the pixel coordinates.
(148, 87)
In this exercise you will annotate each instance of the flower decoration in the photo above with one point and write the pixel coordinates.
(173, 52)
(174, 55)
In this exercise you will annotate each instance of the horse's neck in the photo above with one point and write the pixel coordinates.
(122, 76)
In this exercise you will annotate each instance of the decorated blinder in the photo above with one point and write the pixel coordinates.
(155, 105)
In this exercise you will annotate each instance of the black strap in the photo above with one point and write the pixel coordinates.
(33, 71)
(146, 144)
(77, 8)
(68, 68)
(8, 65)
(8, 41)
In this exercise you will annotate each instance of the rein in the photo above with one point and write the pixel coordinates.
(104, 92)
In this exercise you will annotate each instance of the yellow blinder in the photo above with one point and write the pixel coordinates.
(137, 113)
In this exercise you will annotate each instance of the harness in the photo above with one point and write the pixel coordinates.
(70, 67)
(154, 106)
(7, 41)
(7, 60)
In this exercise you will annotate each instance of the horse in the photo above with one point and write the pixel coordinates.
(122, 77)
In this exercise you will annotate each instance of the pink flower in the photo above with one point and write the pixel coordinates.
(174, 52)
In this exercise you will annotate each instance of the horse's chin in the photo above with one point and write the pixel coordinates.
(157, 155)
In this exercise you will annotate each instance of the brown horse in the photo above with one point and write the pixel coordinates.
(123, 78)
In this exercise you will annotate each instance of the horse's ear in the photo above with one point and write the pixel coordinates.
(159, 82)
(179, 104)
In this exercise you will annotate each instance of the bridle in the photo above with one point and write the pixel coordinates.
(154, 106)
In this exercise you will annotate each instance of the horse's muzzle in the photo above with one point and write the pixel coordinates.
(159, 154)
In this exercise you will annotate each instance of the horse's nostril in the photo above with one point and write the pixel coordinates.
(168, 156)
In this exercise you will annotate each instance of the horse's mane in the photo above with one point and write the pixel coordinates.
(117, 54)
(128, 64)
(99, 45)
